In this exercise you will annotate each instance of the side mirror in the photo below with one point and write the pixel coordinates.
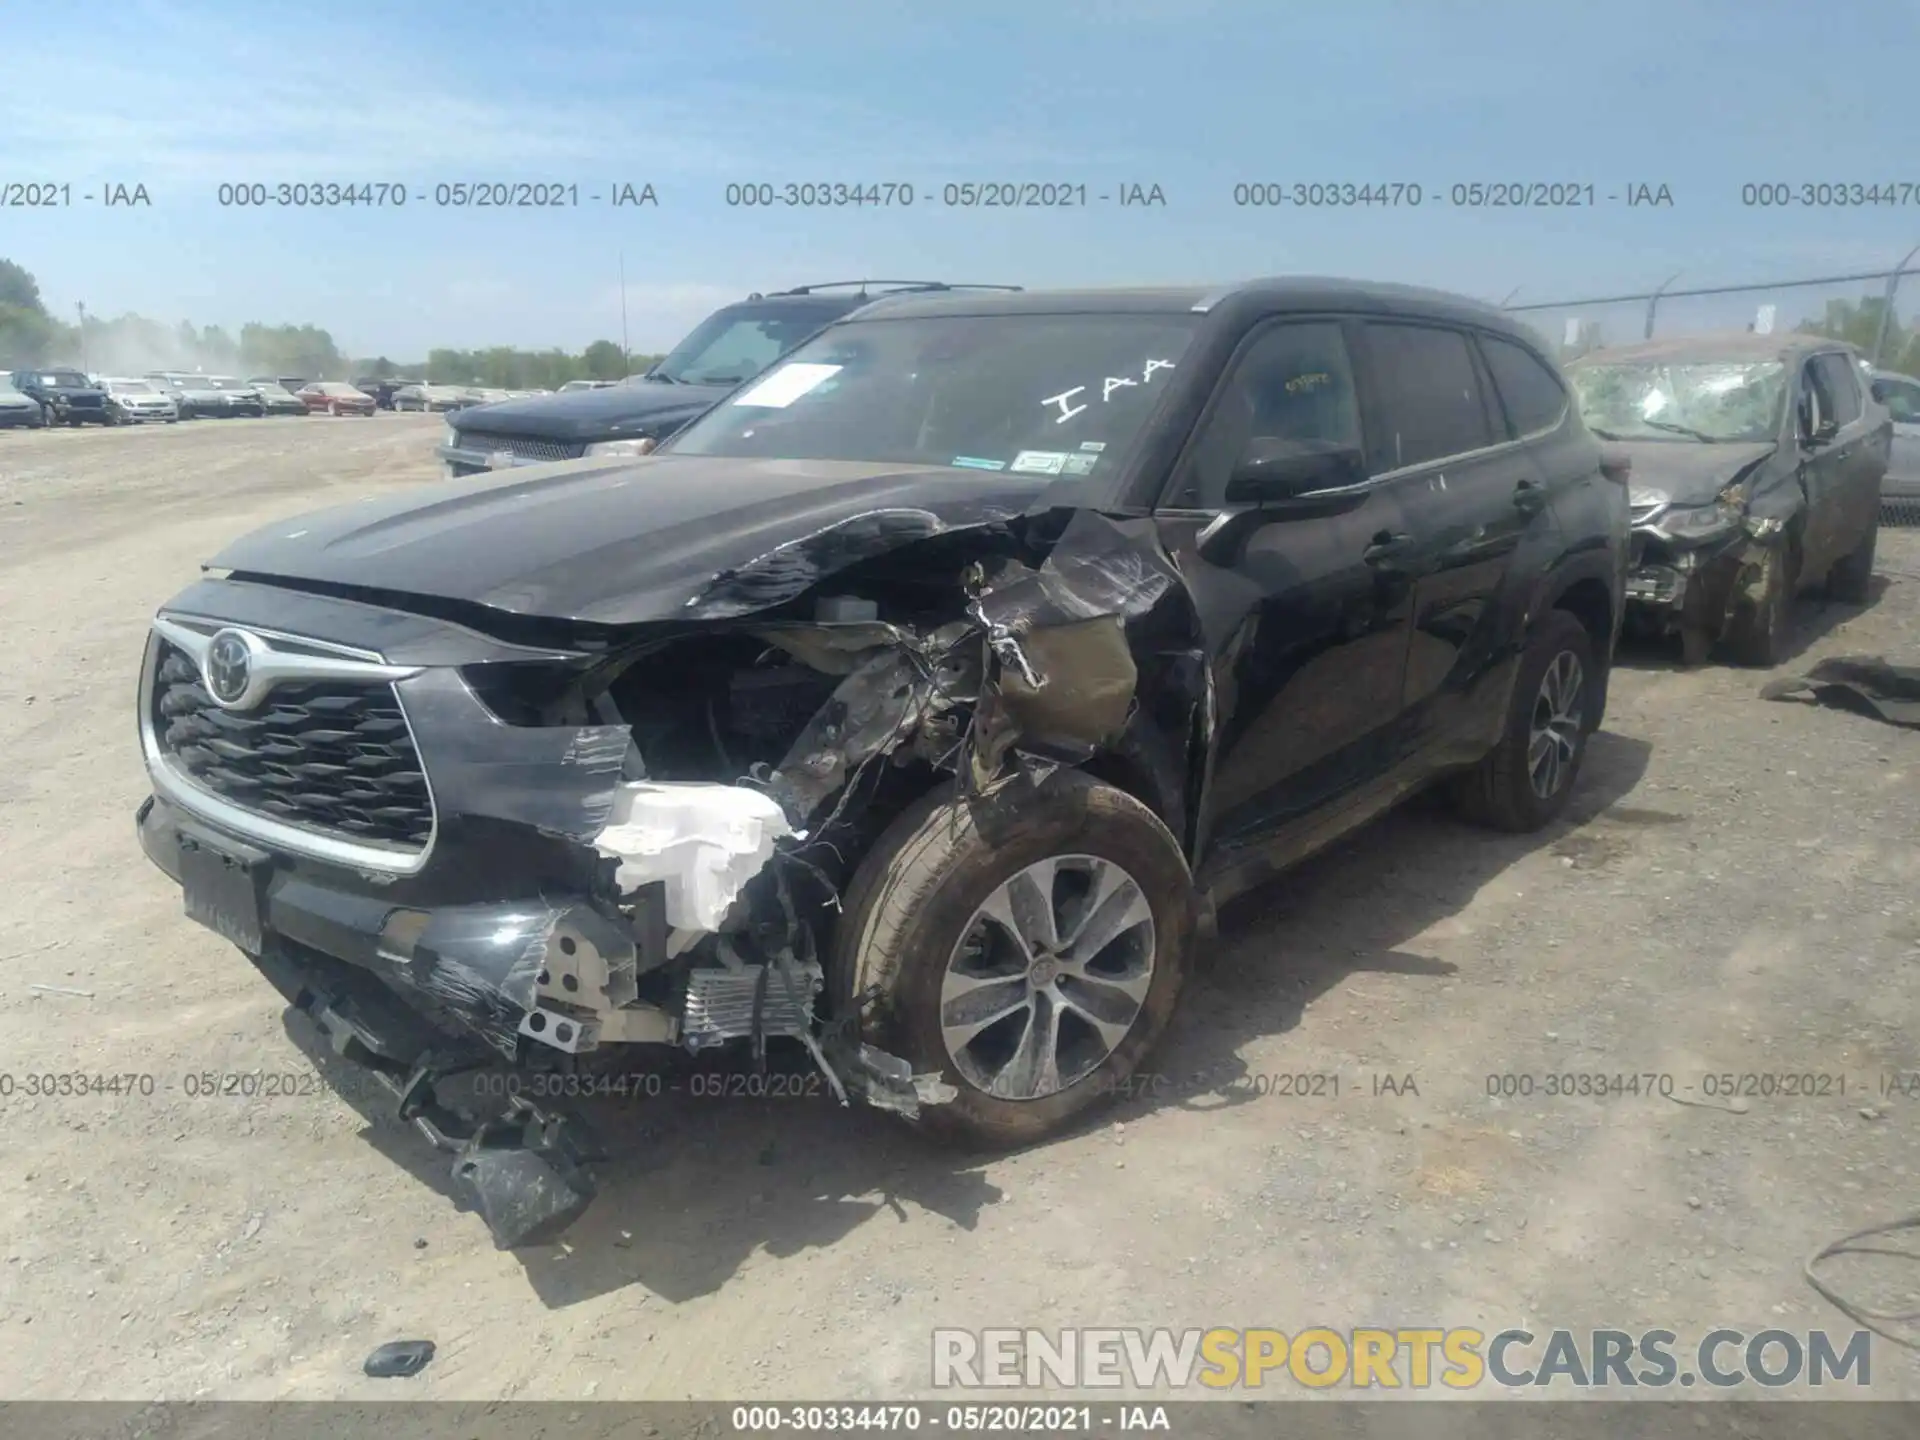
(1272, 471)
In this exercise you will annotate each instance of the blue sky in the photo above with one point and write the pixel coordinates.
(1192, 95)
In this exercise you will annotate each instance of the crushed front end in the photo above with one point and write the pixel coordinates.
(1692, 569)
(471, 856)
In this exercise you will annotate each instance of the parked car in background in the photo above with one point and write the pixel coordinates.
(65, 395)
(276, 399)
(380, 389)
(239, 397)
(132, 402)
(193, 396)
(1900, 490)
(18, 411)
(1756, 464)
(336, 397)
(486, 395)
(430, 398)
(1042, 624)
(729, 347)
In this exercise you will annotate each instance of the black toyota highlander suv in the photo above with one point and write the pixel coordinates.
(910, 710)
(630, 417)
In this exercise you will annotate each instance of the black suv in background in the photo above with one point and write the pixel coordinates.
(66, 396)
(630, 417)
(912, 708)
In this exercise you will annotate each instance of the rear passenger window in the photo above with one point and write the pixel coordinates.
(1529, 391)
(1840, 389)
(1430, 395)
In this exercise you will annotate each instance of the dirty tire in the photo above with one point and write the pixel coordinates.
(915, 893)
(1499, 793)
(1850, 581)
(1758, 635)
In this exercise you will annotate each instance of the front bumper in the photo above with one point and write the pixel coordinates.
(21, 416)
(416, 999)
(1677, 587)
(458, 460)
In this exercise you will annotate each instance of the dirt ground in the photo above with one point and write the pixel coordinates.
(1736, 893)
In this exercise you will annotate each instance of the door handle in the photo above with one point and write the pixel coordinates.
(1529, 496)
(1386, 545)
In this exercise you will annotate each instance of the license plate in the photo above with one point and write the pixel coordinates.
(220, 887)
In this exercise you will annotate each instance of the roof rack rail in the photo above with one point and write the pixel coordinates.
(900, 284)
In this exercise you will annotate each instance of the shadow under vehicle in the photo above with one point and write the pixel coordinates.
(1756, 465)
(915, 706)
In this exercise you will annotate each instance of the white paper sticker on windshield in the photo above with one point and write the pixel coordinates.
(1039, 462)
(787, 385)
(1080, 464)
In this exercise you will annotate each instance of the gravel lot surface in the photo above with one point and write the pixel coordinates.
(1736, 893)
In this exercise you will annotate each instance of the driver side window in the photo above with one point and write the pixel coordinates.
(1293, 382)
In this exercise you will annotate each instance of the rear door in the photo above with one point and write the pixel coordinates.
(1470, 489)
(1306, 626)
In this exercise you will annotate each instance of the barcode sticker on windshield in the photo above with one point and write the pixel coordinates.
(787, 385)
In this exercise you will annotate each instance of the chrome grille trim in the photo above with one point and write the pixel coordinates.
(294, 657)
(524, 447)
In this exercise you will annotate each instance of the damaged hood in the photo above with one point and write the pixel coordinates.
(641, 408)
(1690, 472)
(619, 542)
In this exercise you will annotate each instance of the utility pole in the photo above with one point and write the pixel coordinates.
(626, 363)
(81, 307)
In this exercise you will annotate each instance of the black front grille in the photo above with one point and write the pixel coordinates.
(523, 447)
(327, 755)
(1900, 510)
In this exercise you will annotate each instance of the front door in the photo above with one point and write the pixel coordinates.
(1306, 619)
(1837, 473)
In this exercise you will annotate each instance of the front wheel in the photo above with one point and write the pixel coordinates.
(1528, 778)
(1027, 945)
(1758, 635)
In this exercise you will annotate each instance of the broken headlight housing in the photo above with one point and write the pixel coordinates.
(1698, 522)
(638, 445)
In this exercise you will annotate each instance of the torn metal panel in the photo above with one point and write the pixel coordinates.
(701, 842)
(1865, 684)
(873, 710)
(493, 966)
(792, 568)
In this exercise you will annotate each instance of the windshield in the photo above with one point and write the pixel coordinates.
(224, 382)
(1034, 394)
(1697, 400)
(337, 388)
(130, 387)
(64, 379)
(736, 344)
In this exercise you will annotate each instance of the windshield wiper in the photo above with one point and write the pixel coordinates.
(660, 377)
(1683, 430)
(1604, 434)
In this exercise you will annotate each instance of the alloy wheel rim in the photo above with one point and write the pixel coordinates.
(1553, 739)
(1048, 977)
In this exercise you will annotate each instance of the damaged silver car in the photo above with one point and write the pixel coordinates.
(1756, 463)
(911, 710)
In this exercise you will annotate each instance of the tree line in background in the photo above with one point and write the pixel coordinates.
(31, 335)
